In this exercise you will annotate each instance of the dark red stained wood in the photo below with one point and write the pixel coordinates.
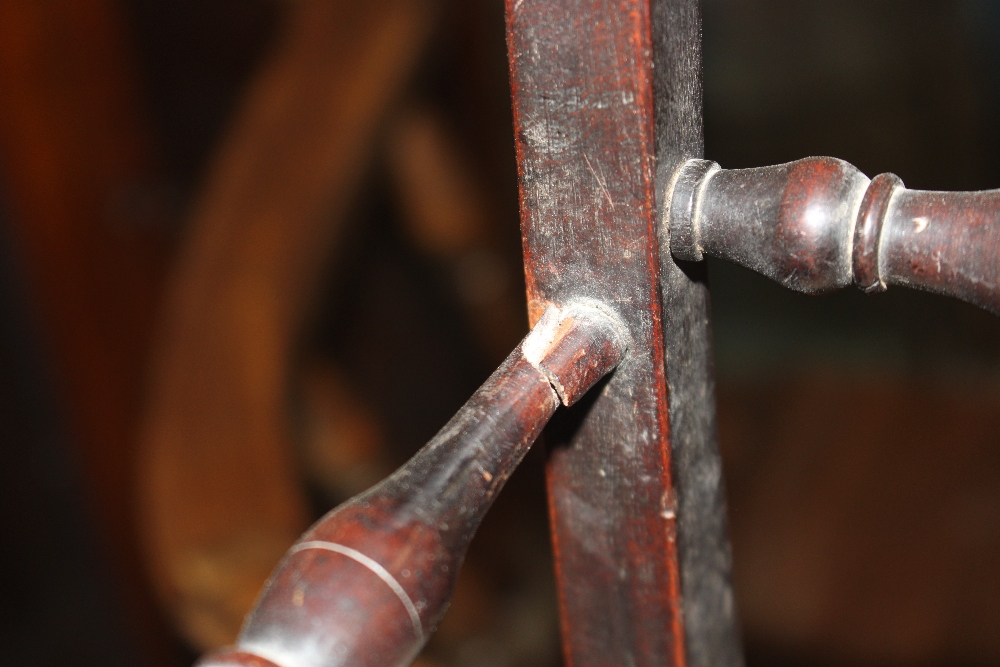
(582, 80)
(819, 224)
(944, 242)
(868, 232)
(367, 585)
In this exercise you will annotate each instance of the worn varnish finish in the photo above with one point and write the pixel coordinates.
(598, 132)
(369, 582)
(711, 628)
(819, 224)
(944, 242)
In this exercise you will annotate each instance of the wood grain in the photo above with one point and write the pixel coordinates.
(368, 584)
(819, 224)
(598, 130)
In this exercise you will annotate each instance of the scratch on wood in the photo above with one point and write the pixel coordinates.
(600, 182)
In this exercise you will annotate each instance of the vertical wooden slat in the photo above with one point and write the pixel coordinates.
(599, 130)
(581, 77)
(710, 623)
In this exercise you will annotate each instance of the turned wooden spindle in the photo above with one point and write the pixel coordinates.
(369, 582)
(819, 224)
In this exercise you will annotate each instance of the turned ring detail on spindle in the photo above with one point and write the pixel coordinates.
(368, 583)
(819, 224)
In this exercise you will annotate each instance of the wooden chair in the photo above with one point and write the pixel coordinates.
(618, 211)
